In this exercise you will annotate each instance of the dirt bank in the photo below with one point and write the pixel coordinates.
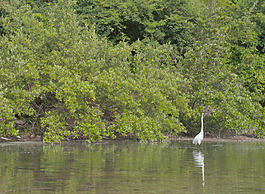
(226, 139)
(171, 138)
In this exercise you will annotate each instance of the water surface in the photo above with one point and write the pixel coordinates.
(132, 167)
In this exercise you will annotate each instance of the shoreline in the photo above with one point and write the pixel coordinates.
(170, 138)
(224, 139)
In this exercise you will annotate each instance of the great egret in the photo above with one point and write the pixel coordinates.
(198, 138)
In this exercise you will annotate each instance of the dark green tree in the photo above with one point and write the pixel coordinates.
(162, 21)
(212, 66)
(65, 82)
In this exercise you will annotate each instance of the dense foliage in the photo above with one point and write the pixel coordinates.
(97, 69)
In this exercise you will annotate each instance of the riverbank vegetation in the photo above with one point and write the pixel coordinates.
(104, 69)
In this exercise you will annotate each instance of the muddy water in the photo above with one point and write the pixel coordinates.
(132, 167)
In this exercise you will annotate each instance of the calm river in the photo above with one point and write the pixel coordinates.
(132, 167)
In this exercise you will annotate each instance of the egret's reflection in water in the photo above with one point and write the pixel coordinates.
(199, 161)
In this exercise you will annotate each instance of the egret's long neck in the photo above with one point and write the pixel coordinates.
(202, 124)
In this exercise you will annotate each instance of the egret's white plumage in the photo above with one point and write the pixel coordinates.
(198, 138)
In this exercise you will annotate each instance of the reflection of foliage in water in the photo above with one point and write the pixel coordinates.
(128, 166)
(60, 167)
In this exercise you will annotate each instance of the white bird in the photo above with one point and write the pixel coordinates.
(198, 138)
